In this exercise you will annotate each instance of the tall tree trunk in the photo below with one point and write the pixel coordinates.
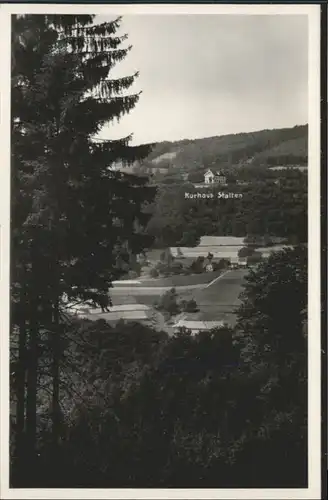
(21, 399)
(56, 420)
(31, 404)
(32, 374)
(20, 379)
(56, 337)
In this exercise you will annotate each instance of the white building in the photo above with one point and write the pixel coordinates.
(221, 247)
(214, 178)
(140, 313)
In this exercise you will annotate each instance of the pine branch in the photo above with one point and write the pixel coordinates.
(74, 23)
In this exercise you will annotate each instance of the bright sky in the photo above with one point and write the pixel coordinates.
(206, 75)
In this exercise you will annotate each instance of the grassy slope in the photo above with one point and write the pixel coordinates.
(177, 280)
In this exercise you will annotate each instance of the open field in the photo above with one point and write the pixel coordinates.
(216, 300)
(219, 300)
(222, 291)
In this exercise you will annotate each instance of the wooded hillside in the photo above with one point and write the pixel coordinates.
(286, 146)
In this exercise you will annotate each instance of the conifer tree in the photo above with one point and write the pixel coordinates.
(75, 221)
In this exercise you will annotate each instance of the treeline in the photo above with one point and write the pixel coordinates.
(141, 409)
(266, 207)
(290, 152)
(285, 146)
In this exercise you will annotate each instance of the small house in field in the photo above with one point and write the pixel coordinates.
(214, 178)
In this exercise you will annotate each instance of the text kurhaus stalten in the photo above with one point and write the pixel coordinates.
(211, 196)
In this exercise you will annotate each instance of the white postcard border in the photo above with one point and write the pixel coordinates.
(313, 13)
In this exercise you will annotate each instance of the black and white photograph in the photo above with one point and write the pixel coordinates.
(164, 207)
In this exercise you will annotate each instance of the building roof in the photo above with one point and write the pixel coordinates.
(221, 241)
(220, 246)
(129, 307)
(126, 315)
(218, 252)
(209, 172)
(122, 309)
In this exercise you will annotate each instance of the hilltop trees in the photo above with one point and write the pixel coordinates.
(75, 223)
(258, 149)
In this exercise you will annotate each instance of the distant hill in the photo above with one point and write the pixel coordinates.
(286, 146)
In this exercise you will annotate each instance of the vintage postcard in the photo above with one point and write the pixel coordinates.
(161, 216)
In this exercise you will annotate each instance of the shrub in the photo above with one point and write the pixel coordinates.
(254, 258)
(197, 266)
(168, 302)
(154, 273)
(161, 267)
(189, 306)
(245, 252)
(221, 264)
(189, 239)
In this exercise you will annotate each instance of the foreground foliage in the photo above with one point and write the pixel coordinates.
(214, 410)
